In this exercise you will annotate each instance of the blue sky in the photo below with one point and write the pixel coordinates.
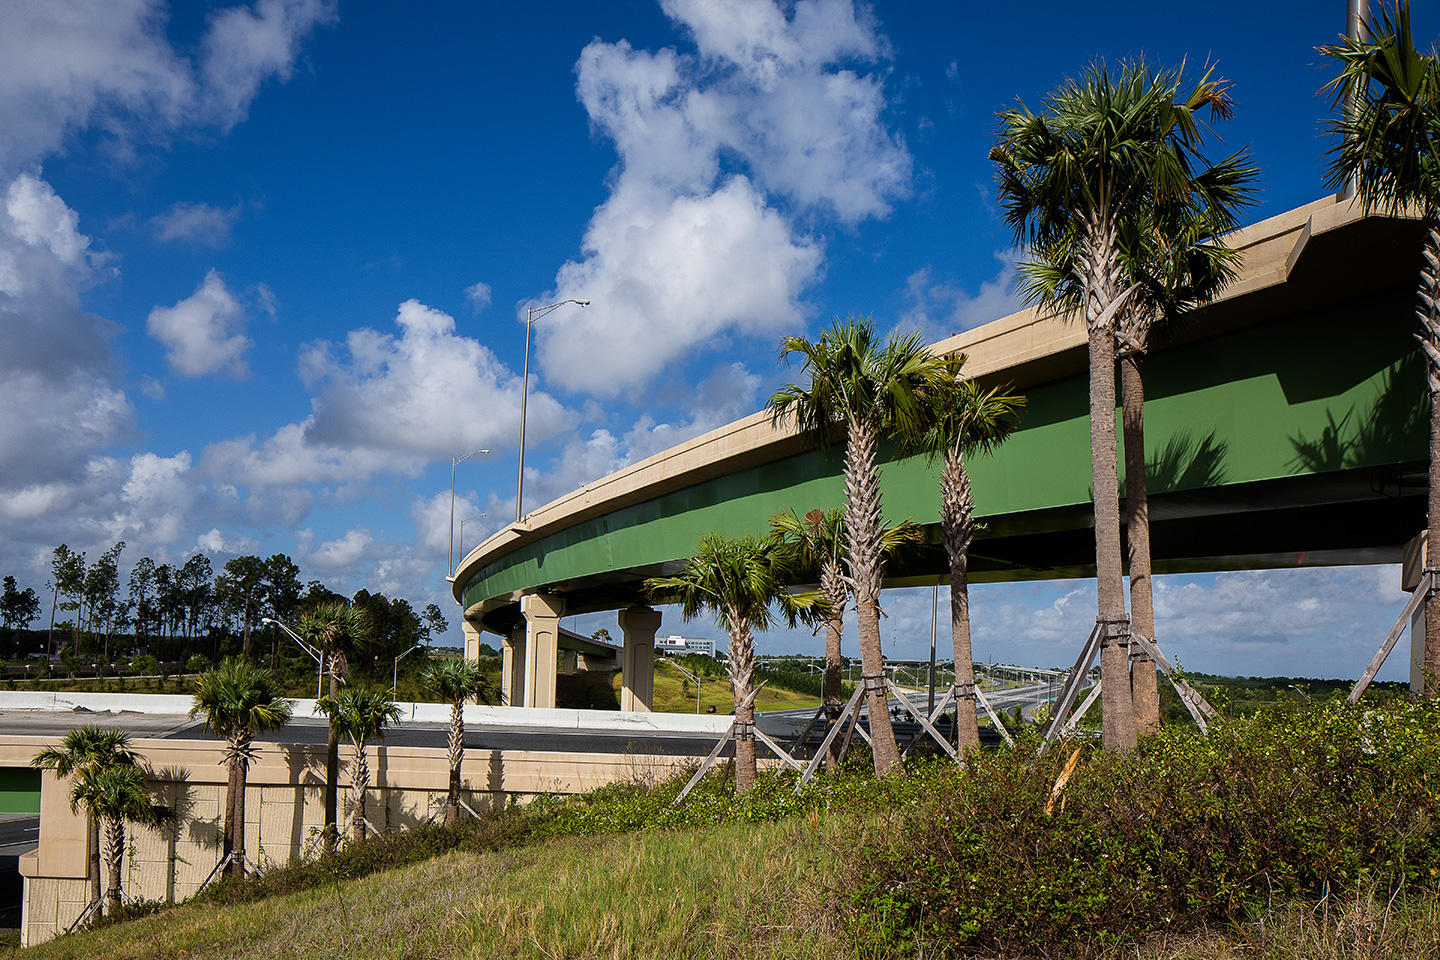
(262, 266)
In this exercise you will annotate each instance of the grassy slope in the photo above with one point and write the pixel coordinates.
(765, 891)
(734, 891)
(675, 694)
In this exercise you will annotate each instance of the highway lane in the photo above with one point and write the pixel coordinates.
(312, 730)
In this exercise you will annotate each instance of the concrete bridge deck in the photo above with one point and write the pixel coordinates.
(1284, 427)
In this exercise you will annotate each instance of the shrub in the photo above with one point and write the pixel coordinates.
(1187, 829)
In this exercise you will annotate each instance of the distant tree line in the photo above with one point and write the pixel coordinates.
(177, 611)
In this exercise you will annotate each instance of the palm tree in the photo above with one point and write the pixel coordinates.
(862, 387)
(818, 540)
(1171, 253)
(1389, 148)
(339, 631)
(456, 680)
(115, 794)
(362, 716)
(967, 420)
(1073, 179)
(82, 753)
(239, 700)
(741, 580)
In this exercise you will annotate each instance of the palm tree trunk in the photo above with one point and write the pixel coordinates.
(232, 787)
(359, 783)
(242, 770)
(742, 677)
(457, 756)
(332, 768)
(1143, 684)
(115, 836)
(1430, 340)
(1117, 731)
(95, 879)
(862, 529)
(957, 526)
(833, 587)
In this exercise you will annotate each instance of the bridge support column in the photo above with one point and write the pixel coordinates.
(472, 640)
(542, 637)
(637, 663)
(512, 668)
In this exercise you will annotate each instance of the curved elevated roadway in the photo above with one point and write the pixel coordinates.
(1282, 428)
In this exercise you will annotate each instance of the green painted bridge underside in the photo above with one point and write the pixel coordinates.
(1328, 390)
(19, 791)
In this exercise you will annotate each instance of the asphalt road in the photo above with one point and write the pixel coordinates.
(311, 730)
(18, 834)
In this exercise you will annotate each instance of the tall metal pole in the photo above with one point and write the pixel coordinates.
(1357, 27)
(455, 462)
(524, 397)
(534, 313)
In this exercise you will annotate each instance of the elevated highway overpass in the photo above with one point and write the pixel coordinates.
(1284, 427)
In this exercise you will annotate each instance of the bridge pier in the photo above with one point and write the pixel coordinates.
(637, 664)
(512, 667)
(472, 640)
(542, 647)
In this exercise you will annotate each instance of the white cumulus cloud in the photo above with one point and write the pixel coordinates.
(427, 392)
(196, 223)
(204, 333)
(720, 150)
(942, 309)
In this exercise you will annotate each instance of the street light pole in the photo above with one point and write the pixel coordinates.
(318, 656)
(395, 674)
(455, 462)
(535, 313)
(692, 677)
(462, 532)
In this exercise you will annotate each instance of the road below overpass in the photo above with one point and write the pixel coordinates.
(782, 725)
(311, 730)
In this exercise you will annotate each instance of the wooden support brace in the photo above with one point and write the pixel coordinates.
(1198, 706)
(1075, 718)
(920, 716)
(834, 731)
(730, 732)
(1072, 685)
(779, 751)
(1422, 591)
(800, 740)
(994, 717)
(705, 764)
(938, 712)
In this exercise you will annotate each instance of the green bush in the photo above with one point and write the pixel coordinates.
(1185, 830)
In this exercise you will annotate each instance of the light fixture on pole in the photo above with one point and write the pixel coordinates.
(395, 674)
(316, 655)
(455, 462)
(462, 531)
(535, 314)
(692, 677)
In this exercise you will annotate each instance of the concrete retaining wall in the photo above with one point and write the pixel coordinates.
(284, 809)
